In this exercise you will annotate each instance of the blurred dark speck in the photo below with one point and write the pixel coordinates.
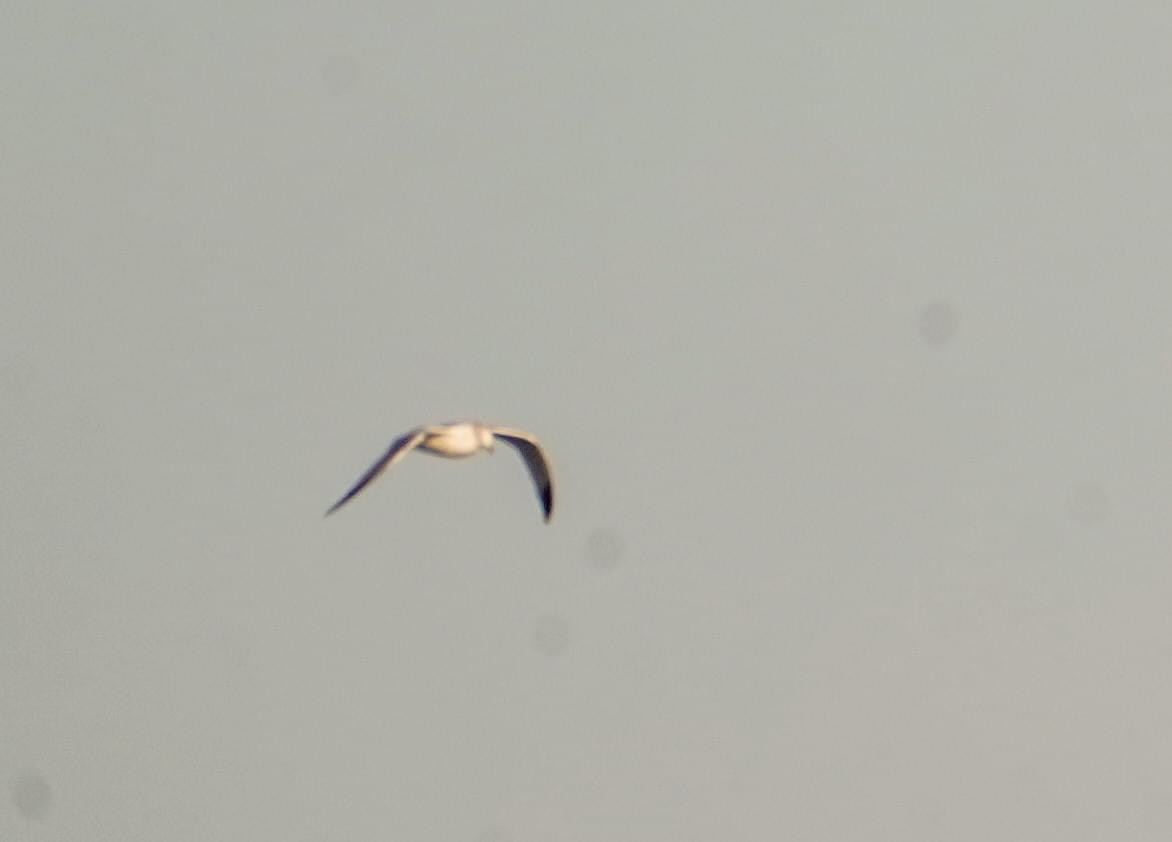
(604, 549)
(938, 323)
(32, 796)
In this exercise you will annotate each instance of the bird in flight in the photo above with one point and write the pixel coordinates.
(459, 439)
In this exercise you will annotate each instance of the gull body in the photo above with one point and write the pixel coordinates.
(456, 441)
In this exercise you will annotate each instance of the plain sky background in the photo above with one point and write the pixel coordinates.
(847, 328)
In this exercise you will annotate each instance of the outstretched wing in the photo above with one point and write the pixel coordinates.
(399, 448)
(530, 450)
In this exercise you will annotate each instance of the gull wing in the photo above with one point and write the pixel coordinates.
(399, 448)
(530, 450)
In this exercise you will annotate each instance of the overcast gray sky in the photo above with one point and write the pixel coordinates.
(846, 326)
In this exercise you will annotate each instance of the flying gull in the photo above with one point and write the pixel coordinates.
(463, 438)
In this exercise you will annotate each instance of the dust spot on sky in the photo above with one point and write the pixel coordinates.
(604, 549)
(1088, 503)
(493, 834)
(340, 73)
(551, 635)
(32, 796)
(938, 323)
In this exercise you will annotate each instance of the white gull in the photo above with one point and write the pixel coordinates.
(459, 439)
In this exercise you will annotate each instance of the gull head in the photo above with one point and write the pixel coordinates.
(485, 438)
